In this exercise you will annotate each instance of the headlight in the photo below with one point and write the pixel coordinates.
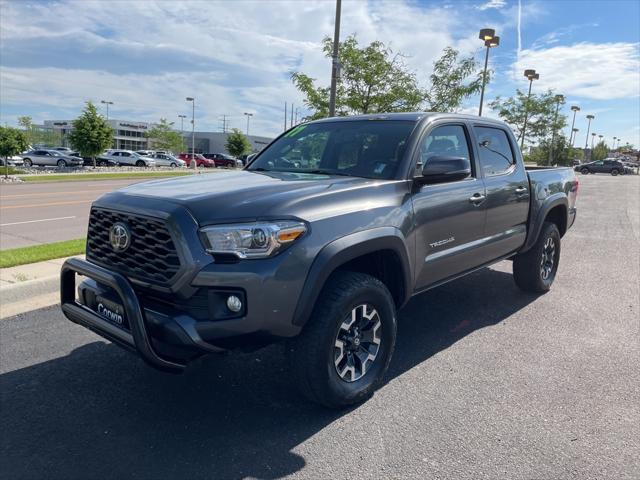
(252, 240)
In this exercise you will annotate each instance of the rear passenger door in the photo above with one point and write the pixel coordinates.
(449, 217)
(507, 190)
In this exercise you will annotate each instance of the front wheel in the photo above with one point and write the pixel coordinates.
(140, 163)
(342, 354)
(27, 162)
(584, 171)
(535, 270)
(62, 163)
(615, 172)
(173, 165)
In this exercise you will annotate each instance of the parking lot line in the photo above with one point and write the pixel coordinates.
(52, 204)
(36, 221)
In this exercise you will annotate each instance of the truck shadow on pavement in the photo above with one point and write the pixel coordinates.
(100, 413)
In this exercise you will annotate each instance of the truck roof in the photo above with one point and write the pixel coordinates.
(410, 116)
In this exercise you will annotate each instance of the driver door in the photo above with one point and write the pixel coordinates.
(449, 217)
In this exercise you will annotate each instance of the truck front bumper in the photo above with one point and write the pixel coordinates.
(170, 344)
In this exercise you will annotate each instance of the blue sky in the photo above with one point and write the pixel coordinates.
(234, 57)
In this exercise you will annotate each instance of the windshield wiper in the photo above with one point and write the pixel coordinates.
(329, 172)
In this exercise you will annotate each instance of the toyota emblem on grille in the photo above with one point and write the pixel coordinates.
(119, 237)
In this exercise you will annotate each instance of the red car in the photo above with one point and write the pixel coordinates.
(200, 160)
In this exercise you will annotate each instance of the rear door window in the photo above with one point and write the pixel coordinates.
(496, 154)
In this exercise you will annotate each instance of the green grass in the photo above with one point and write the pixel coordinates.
(40, 253)
(9, 171)
(81, 177)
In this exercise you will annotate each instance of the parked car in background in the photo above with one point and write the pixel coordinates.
(608, 165)
(100, 162)
(50, 158)
(167, 160)
(127, 157)
(200, 160)
(12, 161)
(66, 150)
(146, 153)
(223, 160)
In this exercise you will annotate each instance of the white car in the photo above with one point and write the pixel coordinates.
(127, 157)
(166, 160)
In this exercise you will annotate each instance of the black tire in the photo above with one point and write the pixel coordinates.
(27, 162)
(140, 163)
(315, 357)
(615, 172)
(103, 163)
(584, 171)
(173, 165)
(535, 270)
(62, 163)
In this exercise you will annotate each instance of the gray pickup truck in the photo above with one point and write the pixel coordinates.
(319, 242)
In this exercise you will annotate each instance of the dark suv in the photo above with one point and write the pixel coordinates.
(608, 165)
(318, 242)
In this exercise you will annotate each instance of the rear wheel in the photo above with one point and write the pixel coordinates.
(341, 356)
(62, 163)
(27, 162)
(140, 163)
(535, 270)
(615, 172)
(584, 171)
(103, 163)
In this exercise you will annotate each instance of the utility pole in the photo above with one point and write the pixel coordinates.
(193, 132)
(249, 115)
(107, 104)
(335, 65)
(531, 76)
(182, 117)
(586, 142)
(224, 123)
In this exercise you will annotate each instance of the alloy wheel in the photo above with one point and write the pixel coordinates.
(357, 343)
(548, 259)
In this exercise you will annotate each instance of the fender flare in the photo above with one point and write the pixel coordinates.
(535, 226)
(347, 248)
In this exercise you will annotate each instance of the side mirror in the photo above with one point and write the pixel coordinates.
(443, 168)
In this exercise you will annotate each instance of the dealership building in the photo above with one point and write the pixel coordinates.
(130, 135)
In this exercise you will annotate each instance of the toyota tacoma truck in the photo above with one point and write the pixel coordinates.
(318, 242)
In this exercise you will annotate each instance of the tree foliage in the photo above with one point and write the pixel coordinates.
(372, 79)
(600, 151)
(453, 79)
(540, 111)
(163, 137)
(91, 133)
(237, 143)
(563, 153)
(36, 135)
(12, 142)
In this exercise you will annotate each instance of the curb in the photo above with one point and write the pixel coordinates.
(19, 297)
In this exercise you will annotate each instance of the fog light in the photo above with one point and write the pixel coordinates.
(234, 303)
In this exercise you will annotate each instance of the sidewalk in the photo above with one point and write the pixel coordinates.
(29, 287)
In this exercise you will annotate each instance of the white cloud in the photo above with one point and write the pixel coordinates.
(492, 4)
(589, 70)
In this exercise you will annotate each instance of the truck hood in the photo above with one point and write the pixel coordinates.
(245, 195)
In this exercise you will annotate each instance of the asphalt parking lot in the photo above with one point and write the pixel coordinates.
(486, 382)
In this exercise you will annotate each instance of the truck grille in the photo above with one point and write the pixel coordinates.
(151, 255)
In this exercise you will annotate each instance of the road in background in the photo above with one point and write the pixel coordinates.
(35, 213)
(487, 382)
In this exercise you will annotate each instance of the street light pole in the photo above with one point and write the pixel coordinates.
(575, 110)
(334, 61)
(249, 115)
(586, 142)
(559, 99)
(531, 75)
(490, 40)
(593, 139)
(107, 104)
(193, 131)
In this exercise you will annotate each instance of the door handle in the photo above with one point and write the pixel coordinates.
(521, 190)
(477, 198)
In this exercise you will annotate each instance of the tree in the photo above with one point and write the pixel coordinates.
(91, 133)
(237, 143)
(450, 81)
(163, 137)
(600, 151)
(37, 135)
(372, 79)
(12, 142)
(563, 152)
(540, 111)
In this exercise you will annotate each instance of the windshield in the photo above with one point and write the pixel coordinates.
(363, 148)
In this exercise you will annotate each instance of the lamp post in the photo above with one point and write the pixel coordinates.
(193, 131)
(107, 103)
(335, 67)
(586, 142)
(182, 117)
(488, 35)
(593, 139)
(531, 76)
(575, 109)
(249, 115)
(559, 99)
(574, 132)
